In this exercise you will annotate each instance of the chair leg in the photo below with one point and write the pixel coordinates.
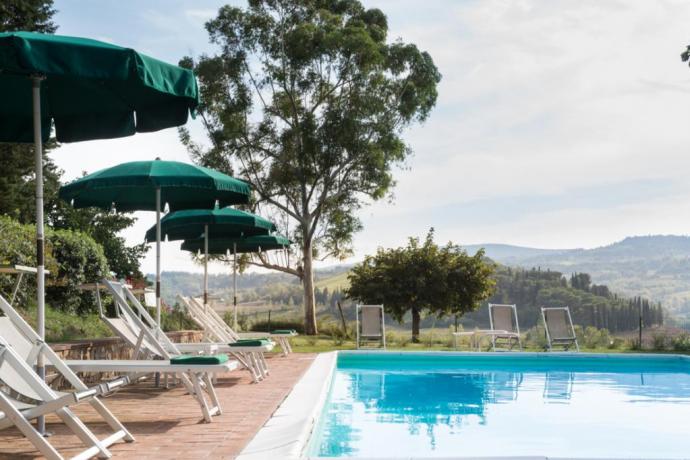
(246, 362)
(110, 419)
(82, 432)
(199, 395)
(28, 430)
(211, 390)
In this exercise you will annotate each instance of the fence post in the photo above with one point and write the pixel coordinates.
(269, 320)
(640, 328)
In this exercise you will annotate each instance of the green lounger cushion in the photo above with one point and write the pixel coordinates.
(199, 359)
(284, 331)
(250, 343)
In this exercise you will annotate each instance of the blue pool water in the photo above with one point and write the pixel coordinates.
(441, 405)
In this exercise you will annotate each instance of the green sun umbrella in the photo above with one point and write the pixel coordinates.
(258, 243)
(149, 186)
(220, 222)
(211, 223)
(90, 90)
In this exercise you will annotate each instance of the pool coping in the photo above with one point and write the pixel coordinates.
(287, 433)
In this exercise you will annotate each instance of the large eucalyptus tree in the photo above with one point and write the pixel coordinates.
(307, 100)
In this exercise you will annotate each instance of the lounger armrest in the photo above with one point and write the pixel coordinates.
(112, 385)
(85, 395)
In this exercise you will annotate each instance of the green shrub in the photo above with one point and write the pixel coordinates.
(398, 338)
(616, 343)
(660, 341)
(264, 326)
(681, 342)
(177, 319)
(62, 326)
(536, 338)
(591, 337)
(79, 260)
(73, 258)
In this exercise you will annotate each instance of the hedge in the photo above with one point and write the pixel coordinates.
(72, 257)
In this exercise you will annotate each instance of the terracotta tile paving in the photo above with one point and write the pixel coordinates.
(167, 424)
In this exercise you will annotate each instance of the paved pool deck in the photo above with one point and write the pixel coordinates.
(167, 424)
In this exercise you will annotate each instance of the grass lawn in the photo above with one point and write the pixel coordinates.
(320, 344)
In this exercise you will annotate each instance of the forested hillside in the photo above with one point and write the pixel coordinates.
(656, 267)
(590, 304)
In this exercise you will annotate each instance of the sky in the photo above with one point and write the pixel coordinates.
(559, 124)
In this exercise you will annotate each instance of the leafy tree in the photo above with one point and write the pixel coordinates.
(470, 281)
(31, 15)
(17, 181)
(422, 277)
(307, 101)
(104, 228)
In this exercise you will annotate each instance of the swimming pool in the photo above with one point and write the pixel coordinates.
(409, 405)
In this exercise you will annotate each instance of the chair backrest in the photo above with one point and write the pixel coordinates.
(154, 339)
(371, 320)
(27, 344)
(214, 321)
(12, 338)
(150, 299)
(503, 318)
(558, 322)
(212, 331)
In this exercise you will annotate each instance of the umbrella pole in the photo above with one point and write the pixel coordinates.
(158, 258)
(234, 284)
(206, 268)
(40, 264)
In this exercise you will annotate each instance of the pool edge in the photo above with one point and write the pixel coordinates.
(286, 434)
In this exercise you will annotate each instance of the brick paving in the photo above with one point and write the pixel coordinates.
(167, 424)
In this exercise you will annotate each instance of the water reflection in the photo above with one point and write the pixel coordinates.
(387, 413)
(558, 387)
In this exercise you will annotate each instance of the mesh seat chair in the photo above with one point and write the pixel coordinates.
(25, 396)
(370, 325)
(505, 329)
(559, 328)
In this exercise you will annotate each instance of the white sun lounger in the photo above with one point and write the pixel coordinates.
(136, 327)
(197, 382)
(19, 349)
(505, 329)
(370, 324)
(559, 328)
(216, 329)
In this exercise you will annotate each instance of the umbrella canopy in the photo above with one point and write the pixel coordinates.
(148, 185)
(90, 89)
(257, 243)
(223, 222)
(131, 187)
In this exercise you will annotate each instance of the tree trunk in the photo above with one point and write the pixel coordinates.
(308, 284)
(415, 324)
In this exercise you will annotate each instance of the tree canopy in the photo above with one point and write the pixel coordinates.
(307, 101)
(422, 277)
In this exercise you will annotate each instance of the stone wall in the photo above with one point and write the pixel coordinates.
(107, 348)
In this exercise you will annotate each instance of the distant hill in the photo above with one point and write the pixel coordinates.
(656, 267)
(191, 284)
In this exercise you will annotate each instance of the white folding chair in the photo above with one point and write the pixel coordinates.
(370, 324)
(559, 328)
(505, 329)
(20, 346)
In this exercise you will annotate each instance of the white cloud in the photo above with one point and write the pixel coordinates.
(538, 98)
